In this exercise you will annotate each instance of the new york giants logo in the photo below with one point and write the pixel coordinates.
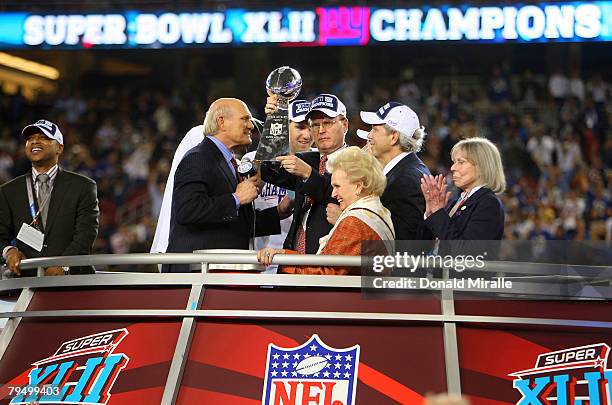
(567, 377)
(81, 371)
(311, 374)
(343, 25)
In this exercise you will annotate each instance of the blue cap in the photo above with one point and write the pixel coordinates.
(47, 128)
(328, 104)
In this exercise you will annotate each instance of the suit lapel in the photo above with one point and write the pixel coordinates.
(222, 164)
(397, 169)
(59, 192)
(23, 200)
(232, 182)
(469, 202)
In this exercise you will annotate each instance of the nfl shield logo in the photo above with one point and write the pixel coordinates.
(312, 373)
(276, 128)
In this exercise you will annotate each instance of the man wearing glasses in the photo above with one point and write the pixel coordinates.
(306, 173)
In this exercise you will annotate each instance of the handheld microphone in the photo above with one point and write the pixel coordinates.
(246, 168)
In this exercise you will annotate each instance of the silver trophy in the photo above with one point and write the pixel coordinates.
(286, 83)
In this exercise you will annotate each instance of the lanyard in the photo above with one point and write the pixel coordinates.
(33, 202)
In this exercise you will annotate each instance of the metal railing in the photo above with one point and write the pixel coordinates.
(248, 257)
(546, 280)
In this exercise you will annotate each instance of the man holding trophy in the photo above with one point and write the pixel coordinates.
(270, 195)
(305, 172)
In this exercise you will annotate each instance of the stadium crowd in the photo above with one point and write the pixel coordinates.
(553, 131)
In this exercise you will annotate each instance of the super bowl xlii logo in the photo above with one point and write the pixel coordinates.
(312, 373)
(573, 376)
(81, 371)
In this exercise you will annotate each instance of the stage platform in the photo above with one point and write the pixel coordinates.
(242, 338)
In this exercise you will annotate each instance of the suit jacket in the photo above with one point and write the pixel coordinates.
(318, 187)
(72, 220)
(204, 214)
(404, 198)
(480, 218)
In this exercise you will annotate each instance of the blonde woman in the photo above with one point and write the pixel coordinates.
(358, 182)
(478, 213)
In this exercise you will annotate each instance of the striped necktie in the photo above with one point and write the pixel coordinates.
(458, 205)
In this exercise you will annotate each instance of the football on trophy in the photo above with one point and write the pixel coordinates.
(284, 81)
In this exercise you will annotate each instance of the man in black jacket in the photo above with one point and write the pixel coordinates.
(306, 174)
(48, 211)
(211, 203)
(395, 139)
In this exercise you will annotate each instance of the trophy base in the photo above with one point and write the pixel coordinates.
(272, 165)
(275, 137)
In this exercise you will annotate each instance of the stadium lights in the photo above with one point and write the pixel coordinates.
(29, 66)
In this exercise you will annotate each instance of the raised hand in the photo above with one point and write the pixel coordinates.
(295, 165)
(271, 104)
(434, 191)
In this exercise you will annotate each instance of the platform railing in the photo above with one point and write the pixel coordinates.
(585, 281)
(528, 268)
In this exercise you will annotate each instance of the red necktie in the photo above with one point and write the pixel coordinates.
(322, 167)
(300, 242)
(322, 163)
(235, 164)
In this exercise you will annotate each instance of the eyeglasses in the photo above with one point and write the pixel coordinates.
(325, 125)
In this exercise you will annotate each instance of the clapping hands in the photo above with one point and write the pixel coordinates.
(434, 191)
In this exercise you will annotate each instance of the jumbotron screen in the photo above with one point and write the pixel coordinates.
(320, 26)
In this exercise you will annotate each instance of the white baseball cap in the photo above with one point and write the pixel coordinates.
(47, 128)
(298, 109)
(328, 104)
(398, 116)
(363, 134)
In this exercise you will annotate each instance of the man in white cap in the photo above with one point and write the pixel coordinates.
(300, 140)
(395, 138)
(306, 173)
(48, 211)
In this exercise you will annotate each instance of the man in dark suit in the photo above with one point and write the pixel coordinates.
(211, 203)
(395, 139)
(49, 211)
(306, 173)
